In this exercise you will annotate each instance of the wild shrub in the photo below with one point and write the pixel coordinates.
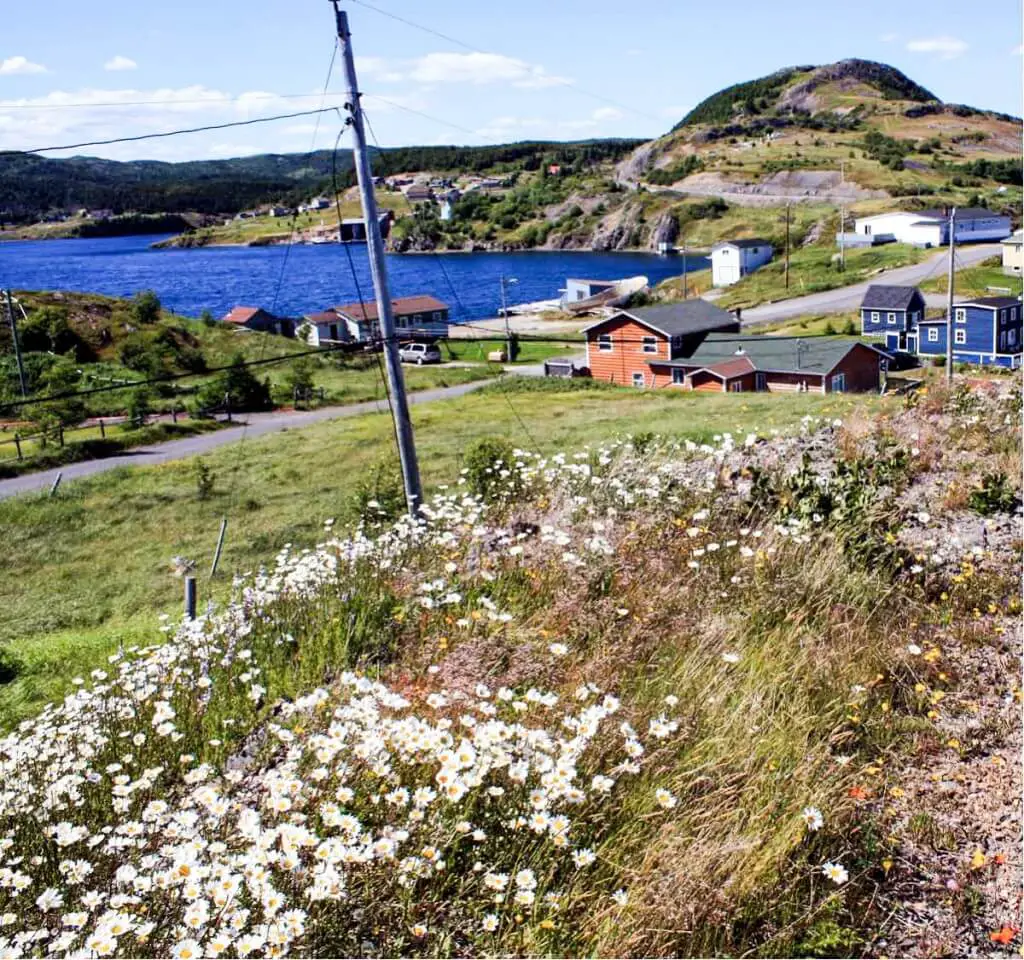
(490, 469)
(994, 495)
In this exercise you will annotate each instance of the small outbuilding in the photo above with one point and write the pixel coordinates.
(731, 260)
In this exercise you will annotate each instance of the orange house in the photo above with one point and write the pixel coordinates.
(626, 347)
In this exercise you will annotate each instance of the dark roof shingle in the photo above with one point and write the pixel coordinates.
(748, 242)
(677, 319)
(962, 213)
(883, 297)
(400, 307)
(814, 355)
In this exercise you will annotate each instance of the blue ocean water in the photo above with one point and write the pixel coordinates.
(303, 279)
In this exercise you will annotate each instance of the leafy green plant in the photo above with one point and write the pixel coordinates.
(205, 479)
(380, 496)
(994, 495)
(489, 468)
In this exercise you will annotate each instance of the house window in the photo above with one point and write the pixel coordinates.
(755, 250)
(933, 334)
(638, 380)
(736, 386)
(678, 375)
(604, 343)
(1002, 340)
(436, 316)
(1013, 313)
(650, 344)
(1011, 337)
(760, 382)
(915, 315)
(960, 314)
(875, 316)
(839, 383)
(890, 318)
(960, 336)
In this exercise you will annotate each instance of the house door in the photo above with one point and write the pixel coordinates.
(911, 343)
(727, 273)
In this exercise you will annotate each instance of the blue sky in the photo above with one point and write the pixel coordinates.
(534, 68)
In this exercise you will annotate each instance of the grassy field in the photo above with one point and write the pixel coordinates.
(475, 351)
(90, 568)
(975, 281)
(813, 270)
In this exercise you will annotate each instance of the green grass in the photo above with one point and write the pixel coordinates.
(821, 324)
(91, 567)
(530, 351)
(975, 281)
(813, 270)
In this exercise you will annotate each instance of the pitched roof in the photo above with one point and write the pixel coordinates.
(330, 315)
(817, 355)
(991, 302)
(883, 297)
(962, 213)
(730, 369)
(241, 315)
(676, 319)
(749, 242)
(400, 307)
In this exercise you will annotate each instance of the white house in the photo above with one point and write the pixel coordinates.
(930, 228)
(318, 203)
(1012, 259)
(733, 259)
(323, 329)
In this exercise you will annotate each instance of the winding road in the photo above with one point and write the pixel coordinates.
(849, 298)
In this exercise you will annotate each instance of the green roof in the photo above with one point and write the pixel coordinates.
(816, 354)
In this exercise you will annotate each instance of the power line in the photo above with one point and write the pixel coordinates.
(177, 133)
(560, 81)
(210, 101)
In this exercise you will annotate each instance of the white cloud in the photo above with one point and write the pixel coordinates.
(13, 65)
(120, 63)
(468, 68)
(507, 127)
(888, 37)
(607, 113)
(948, 48)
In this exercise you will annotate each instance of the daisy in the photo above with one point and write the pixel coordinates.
(812, 818)
(836, 872)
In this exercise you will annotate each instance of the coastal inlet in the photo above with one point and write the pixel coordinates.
(306, 278)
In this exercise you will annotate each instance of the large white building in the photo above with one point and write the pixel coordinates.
(930, 228)
(733, 259)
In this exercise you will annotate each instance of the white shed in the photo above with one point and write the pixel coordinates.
(733, 259)
(930, 228)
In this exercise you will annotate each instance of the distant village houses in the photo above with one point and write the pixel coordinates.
(419, 317)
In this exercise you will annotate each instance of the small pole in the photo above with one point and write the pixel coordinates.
(190, 598)
(685, 291)
(787, 246)
(842, 238)
(174, 413)
(227, 405)
(56, 482)
(17, 445)
(60, 433)
(949, 297)
(504, 313)
(220, 546)
(14, 340)
(103, 432)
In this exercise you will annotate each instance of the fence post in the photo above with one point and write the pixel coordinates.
(17, 445)
(190, 598)
(174, 414)
(56, 482)
(227, 405)
(220, 545)
(103, 431)
(60, 433)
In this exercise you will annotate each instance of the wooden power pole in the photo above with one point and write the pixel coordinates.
(949, 297)
(787, 246)
(14, 340)
(378, 270)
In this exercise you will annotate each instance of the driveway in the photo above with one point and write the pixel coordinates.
(253, 425)
(848, 298)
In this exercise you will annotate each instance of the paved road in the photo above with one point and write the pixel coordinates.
(254, 425)
(849, 298)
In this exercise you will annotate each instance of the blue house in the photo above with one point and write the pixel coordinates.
(893, 313)
(985, 331)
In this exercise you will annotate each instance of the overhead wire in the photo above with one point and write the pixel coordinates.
(178, 133)
(554, 80)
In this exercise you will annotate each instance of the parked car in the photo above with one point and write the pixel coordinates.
(420, 353)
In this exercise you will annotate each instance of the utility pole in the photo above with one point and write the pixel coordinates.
(842, 238)
(505, 281)
(949, 297)
(787, 246)
(14, 340)
(686, 292)
(378, 270)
